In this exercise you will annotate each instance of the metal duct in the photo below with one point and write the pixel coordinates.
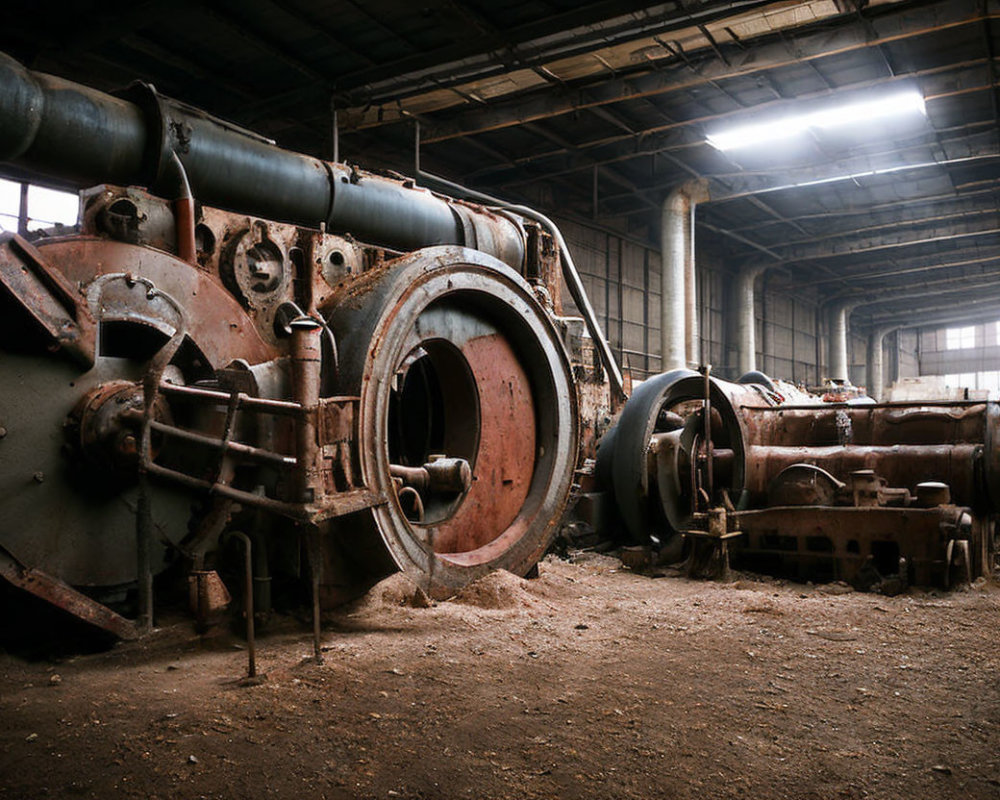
(691, 339)
(874, 363)
(839, 314)
(746, 326)
(680, 344)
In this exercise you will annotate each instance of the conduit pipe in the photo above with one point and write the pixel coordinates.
(746, 324)
(679, 339)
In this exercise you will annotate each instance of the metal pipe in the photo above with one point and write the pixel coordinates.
(679, 335)
(183, 206)
(53, 127)
(248, 601)
(314, 549)
(746, 319)
(691, 327)
(874, 362)
(579, 295)
(674, 227)
(307, 366)
(569, 272)
(144, 535)
(837, 343)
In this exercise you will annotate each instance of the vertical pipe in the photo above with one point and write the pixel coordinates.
(336, 131)
(766, 332)
(897, 354)
(839, 315)
(416, 148)
(307, 364)
(621, 301)
(645, 313)
(818, 343)
(793, 339)
(607, 287)
(875, 362)
(691, 338)
(679, 339)
(22, 211)
(144, 533)
(746, 322)
(183, 208)
(248, 602)
(314, 548)
(673, 226)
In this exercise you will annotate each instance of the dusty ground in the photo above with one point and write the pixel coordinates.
(588, 682)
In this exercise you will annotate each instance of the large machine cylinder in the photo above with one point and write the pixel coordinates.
(51, 127)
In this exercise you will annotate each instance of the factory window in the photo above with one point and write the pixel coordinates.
(10, 204)
(35, 208)
(988, 380)
(960, 338)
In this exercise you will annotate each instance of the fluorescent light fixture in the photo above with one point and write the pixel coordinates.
(793, 125)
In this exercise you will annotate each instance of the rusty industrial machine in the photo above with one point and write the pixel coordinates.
(881, 495)
(338, 374)
(353, 373)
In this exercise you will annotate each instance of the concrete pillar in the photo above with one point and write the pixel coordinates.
(840, 313)
(746, 319)
(875, 366)
(674, 229)
(679, 336)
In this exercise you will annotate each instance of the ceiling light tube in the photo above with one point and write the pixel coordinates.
(792, 125)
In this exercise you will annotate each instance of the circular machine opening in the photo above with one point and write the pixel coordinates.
(468, 388)
(433, 410)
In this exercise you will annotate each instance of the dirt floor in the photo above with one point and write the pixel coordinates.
(589, 681)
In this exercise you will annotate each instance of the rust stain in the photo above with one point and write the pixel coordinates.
(506, 458)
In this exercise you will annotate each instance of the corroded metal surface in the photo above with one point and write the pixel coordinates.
(816, 490)
(297, 356)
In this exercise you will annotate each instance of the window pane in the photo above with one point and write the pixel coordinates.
(46, 207)
(960, 338)
(10, 198)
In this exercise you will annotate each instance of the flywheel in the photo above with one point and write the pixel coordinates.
(456, 363)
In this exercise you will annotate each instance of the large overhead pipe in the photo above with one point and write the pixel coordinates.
(679, 339)
(52, 127)
(746, 324)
